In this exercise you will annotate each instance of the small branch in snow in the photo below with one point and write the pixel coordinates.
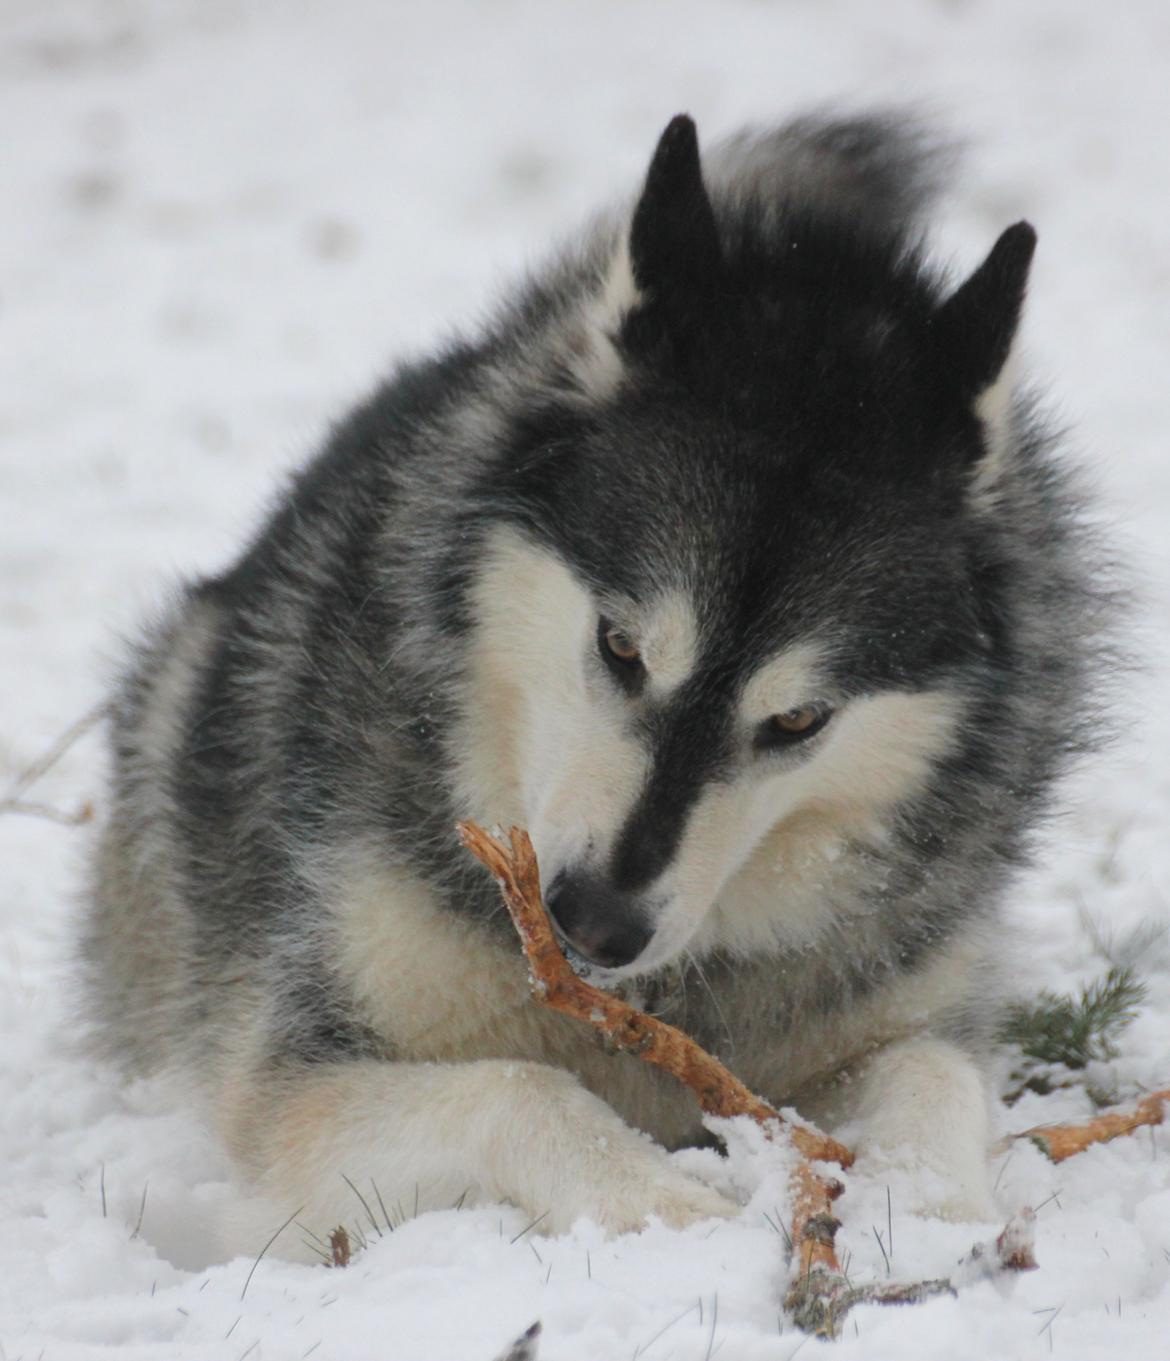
(1059, 1142)
(627, 1030)
(13, 802)
(821, 1294)
(31, 809)
(820, 1300)
(719, 1092)
(1013, 1250)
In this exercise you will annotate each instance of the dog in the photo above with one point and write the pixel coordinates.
(734, 562)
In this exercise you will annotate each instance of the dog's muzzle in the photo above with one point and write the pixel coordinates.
(603, 925)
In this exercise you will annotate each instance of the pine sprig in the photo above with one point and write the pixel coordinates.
(1077, 1031)
(1060, 1036)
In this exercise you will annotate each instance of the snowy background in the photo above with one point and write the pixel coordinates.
(218, 222)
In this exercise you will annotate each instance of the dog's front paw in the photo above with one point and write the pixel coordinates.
(923, 1115)
(582, 1162)
(673, 1197)
(637, 1189)
(962, 1195)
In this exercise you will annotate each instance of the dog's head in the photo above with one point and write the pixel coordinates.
(731, 602)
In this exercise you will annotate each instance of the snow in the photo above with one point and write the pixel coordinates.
(219, 222)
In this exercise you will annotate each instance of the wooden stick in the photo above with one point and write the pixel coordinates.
(555, 985)
(814, 1225)
(821, 1294)
(48, 759)
(1063, 1141)
(32, 809)
(818, 1277)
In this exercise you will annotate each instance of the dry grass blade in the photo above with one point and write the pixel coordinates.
(31, 809)
(13, 801)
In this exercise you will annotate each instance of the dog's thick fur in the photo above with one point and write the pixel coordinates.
(741, 453)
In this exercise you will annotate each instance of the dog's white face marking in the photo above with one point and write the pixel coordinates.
(786, 682)
(667, 637)
(549, 742)
(545, 744)
(762, 855)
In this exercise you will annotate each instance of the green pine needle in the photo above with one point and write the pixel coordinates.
(1077, 1031)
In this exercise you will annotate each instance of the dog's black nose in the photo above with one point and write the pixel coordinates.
(602, 924)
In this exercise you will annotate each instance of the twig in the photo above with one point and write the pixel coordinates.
(821, 1294)
(29, 808)
(1059, 1142)
(49, 758)
(821, 1308)
(12, 802)
(555, 985)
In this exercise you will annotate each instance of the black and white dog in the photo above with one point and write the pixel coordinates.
(728, 562)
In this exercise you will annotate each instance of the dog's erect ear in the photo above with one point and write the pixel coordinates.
(673, 239)
(976, 325)
(974, 331)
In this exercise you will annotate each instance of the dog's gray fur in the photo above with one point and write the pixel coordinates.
(752, 426)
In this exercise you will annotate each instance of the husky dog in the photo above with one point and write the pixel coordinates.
(729, 562)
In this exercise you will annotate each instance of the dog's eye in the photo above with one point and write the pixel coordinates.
(618, 644)
(620, 653)
(783, 730)
(621, 646)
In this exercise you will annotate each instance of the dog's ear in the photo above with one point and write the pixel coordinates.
(673, 239)
(974, 331)
(976, 325)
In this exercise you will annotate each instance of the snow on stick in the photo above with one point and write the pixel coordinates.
(821, 1294)
(719, 1092)
(555, 985)
(1063, 1141)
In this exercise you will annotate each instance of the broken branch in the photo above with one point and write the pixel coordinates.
(819, 1304)
(821, 1294)
(555, 985)
(719, 1092)
(1059, 1142)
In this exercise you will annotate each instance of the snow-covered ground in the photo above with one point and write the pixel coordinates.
(218, 221)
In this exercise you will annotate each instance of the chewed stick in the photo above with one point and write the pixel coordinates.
(555, 985)
(1063, 1141)
(719, 1092)
(820, 1294)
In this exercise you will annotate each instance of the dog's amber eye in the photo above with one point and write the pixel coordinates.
(796, 722)
(782, 730)
(621, 645)
(620, 653)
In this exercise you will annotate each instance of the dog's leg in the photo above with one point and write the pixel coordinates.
(922, 1105)
(431, 1134)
